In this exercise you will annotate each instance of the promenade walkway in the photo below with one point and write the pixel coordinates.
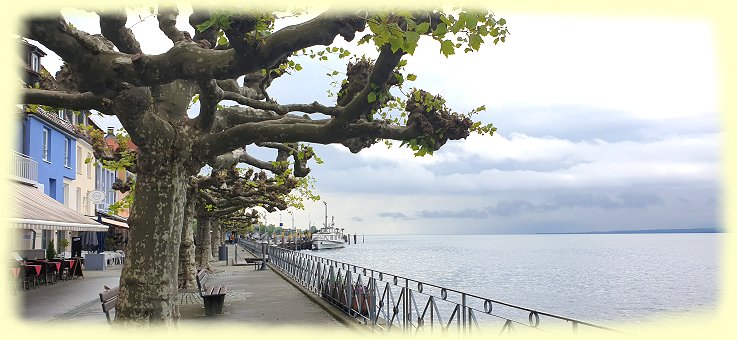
(254, 296)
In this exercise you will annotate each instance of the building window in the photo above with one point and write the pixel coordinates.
(74, 118)
(86, 204)
(52, 188)
(45, 236)
(89, 165)
(79, 200)
(66, 195)
(79, 160)
(35, 65)
(46, 143)
(67, 151)
(61, 114)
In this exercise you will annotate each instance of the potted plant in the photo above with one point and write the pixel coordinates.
(50, 250)
(63, 245)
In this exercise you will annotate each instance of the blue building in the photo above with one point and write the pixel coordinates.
(50, 139)
(44, 168)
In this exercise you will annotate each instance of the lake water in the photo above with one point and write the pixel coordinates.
(604, 279)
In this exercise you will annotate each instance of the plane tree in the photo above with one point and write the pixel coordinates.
(229, 191)
(233, 56)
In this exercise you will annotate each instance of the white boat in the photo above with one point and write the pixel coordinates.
(327, 238)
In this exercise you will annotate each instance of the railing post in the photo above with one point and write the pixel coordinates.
(407, 306)
(372, 300)
(349, 291)
(463, 313)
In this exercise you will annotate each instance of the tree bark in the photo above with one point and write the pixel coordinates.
(186, 279)
(148, 282)
(215, 234)
(203, 250)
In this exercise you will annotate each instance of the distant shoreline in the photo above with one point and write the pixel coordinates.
(647, 231)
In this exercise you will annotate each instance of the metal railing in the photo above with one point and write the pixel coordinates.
(23, 167)
(386, 302)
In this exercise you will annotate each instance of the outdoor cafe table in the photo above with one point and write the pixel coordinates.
(36, 267)
(75, 267)
(71, 264)
(57, 264)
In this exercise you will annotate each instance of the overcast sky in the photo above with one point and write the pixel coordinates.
(604, 123)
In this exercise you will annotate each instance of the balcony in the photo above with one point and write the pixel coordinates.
(23, 168)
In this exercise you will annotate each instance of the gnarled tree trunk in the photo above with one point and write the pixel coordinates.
(186, 273)
(156, 226)
(203, 251)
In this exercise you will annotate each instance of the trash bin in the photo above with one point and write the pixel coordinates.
(223, 253)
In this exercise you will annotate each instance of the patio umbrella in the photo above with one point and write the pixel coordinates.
(100, 241)
(89, 240)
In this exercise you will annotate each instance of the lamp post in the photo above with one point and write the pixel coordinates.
(326, 213)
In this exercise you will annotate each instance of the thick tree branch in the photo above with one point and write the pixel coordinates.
(239, 26)
(321, 30)
(383, 69)
(322, 133)
(228, 117)
(112, 27)
(167, 23)
(186, 60)
(241, 156)
(210, 96)
(315, 107)
(231, 85)
(197, 17)
(74, 101)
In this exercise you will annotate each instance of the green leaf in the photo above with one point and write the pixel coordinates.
(472, 19)
(224, 22)
(422, 28)
(494, 32)
(502, 21)
(447, 48)
(298, 67)
(411, 77)
(372, 97)
(411, 39)
(205, 25)
(475, 41)
(441, 30)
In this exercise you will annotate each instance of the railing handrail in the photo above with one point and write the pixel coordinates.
(292, 263)
(23, 167)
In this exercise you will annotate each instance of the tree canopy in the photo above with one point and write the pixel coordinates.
(225, 63)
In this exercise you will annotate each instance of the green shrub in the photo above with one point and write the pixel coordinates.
(50, 250)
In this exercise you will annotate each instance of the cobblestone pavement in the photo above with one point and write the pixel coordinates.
(254, 296)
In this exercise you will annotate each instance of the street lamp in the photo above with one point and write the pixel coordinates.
(326, 213)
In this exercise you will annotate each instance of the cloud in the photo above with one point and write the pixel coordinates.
(515, 207)
(394, 215)
(356, 219)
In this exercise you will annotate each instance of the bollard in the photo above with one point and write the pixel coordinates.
(263, 255)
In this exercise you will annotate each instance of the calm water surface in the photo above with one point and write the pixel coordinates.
(596, 278)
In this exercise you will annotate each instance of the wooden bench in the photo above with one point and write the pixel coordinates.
(108, 299)
(213, 296)
(255, 261)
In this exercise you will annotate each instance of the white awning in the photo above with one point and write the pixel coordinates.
(32, 209)
(114, 223)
